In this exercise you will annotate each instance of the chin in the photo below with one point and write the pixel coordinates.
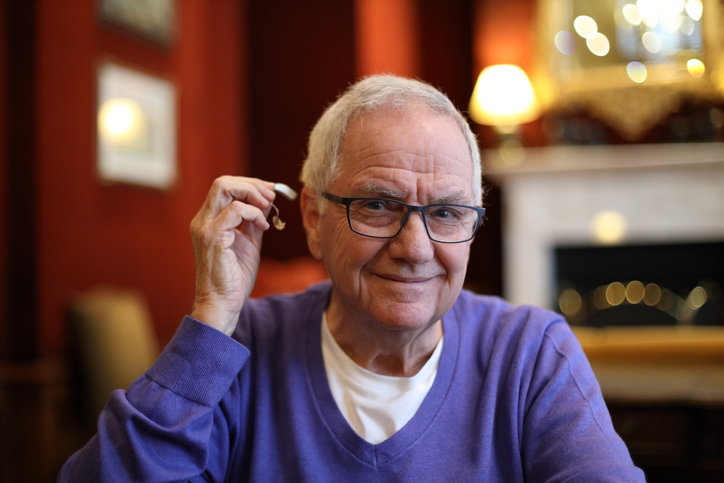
(403, 317)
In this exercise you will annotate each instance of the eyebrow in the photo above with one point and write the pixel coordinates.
(457, 198)
(377, 191)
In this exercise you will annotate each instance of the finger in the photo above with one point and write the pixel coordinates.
(226, 189)
(239, 187)
(238, 213)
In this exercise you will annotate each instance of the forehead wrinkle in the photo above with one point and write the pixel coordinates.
(373, 189)
(411, 161)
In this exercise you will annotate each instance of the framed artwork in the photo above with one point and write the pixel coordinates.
(153, 20)
(136, 127)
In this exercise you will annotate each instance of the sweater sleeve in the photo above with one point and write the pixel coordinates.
(167, 426)
(568, 432)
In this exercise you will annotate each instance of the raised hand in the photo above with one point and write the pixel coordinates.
(227, 233)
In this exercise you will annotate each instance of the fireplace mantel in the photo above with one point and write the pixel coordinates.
(666, 193)
(605, 158)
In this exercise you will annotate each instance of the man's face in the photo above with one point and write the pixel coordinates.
(406, 282)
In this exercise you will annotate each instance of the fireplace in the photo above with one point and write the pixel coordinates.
(661, 284)
(667, 202)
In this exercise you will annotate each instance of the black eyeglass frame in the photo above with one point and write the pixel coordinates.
(410, 209)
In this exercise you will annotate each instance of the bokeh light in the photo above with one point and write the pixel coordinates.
(649, 10)
(121, 120)
(694, 8)
(634, 292)
(686, 25)
(652, 42)
(632, 15)
(697, 298)
(570, 302)
(652, 294)
(636, 72)
(565, 42)
(615, 294)
(599, 298)
(585, 26)
(695, 67)
(598, 44)
(609, 227)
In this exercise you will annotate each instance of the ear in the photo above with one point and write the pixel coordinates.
(311, 218)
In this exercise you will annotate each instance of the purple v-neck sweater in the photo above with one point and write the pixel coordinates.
(514, 399)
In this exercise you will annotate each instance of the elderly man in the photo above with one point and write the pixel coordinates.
(390, 372)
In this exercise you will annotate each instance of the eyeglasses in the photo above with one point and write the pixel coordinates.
(384, 218)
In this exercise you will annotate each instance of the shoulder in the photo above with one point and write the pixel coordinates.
(274, 315)
(493, 325)
(494, 313)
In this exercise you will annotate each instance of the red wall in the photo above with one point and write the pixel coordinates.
(90, 234)
(387, 37)
(504, 33)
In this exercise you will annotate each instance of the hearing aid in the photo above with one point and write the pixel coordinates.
(285, 191)
(289, 194)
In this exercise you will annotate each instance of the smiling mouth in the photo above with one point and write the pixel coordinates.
(393, 278)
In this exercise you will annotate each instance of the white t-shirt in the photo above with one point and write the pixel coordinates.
(376, 406)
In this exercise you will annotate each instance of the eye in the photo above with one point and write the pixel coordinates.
(374, 205)
(444, 213)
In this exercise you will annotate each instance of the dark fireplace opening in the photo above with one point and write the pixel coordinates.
(666, 284)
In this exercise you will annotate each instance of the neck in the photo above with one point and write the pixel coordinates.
(381, 350)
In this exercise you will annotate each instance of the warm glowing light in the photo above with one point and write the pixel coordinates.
(686, 25)
(671, 8)
(609, 227)
(585, 26)
(565, 42)
(697, 298)
(615, 293)
(649, 11)
(695, 9)
(652, 294)
(636, 72)
(570, 302)
(652, 42)
(599, 298)
(695, 67)
(598, 44)
(121, 120)
(503, 96)
(634, 292)
(651, 22)
(631, 14)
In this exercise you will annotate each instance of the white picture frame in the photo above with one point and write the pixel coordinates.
(136, 127)
(152, 20)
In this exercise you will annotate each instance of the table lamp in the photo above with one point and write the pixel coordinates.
(503, 97)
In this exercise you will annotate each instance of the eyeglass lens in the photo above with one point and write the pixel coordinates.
(383, 218)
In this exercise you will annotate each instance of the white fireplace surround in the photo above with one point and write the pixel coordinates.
(667, 193)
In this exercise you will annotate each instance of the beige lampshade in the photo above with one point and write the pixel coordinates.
(503, 96)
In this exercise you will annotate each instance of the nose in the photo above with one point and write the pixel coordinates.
(412, 243)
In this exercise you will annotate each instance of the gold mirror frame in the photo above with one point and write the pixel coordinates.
(608, 93)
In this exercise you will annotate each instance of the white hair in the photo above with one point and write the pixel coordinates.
(373, 93)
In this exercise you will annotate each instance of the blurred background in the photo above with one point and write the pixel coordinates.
(600, 124)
